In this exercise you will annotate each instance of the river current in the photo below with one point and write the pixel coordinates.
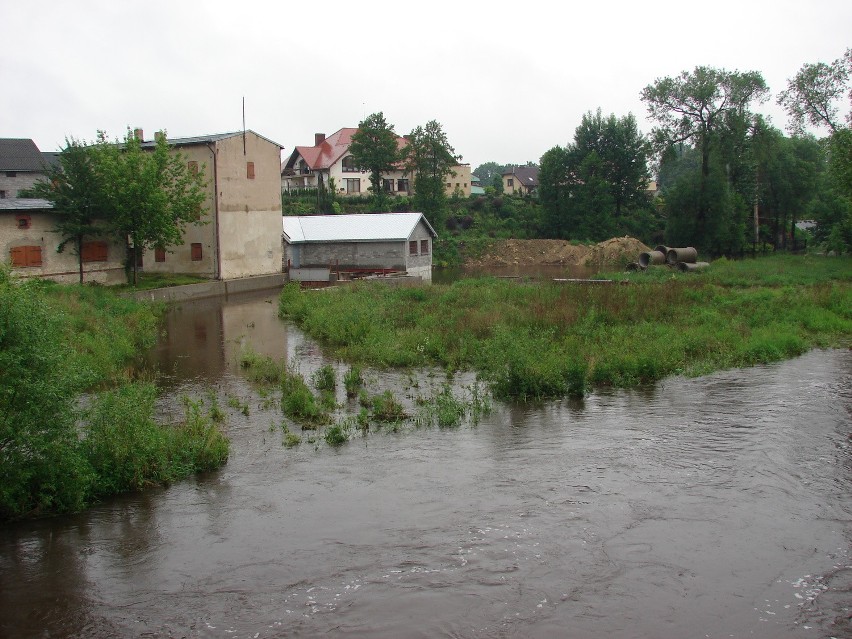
(711, 507)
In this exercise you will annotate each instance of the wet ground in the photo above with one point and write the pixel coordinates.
(710, 507)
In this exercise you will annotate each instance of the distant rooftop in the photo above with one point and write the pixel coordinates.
(20, 154)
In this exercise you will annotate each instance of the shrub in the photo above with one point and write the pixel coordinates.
(324, 378)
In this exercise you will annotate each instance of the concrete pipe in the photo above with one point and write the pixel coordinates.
(662, 249)
(652, 257)
(688, 267)
(676, 255)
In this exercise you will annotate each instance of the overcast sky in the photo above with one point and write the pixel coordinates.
(507, 80)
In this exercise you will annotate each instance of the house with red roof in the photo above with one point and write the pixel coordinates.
(329, 162)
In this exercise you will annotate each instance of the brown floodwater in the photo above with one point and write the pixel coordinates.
(709, 507)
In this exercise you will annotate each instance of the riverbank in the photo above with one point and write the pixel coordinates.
(534, 341)
(58, 453)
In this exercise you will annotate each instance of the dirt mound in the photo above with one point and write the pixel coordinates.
(616, 251)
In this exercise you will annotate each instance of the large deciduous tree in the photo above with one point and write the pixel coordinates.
(591, 188)
(430, 158)
(813, 97)
(76, 189)
(702, 107)
(375, 148)
(151, 195)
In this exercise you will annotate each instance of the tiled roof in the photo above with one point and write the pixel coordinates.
(323, 155)
(24, 204)
(369, 227)
(20, 154)
(527, 175)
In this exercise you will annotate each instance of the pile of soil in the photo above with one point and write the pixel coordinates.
(617, 251)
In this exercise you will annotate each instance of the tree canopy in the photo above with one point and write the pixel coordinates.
(709, 108)
(142, 198)
(375, 148)
(430, 158)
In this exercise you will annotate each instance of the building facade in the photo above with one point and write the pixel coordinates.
(240, 235)
(329, 162)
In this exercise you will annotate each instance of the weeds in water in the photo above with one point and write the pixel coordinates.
(387, 409)
(215, 411)
(259, 368)
(324, 378)
(236, 404)
(338, 434)
(446, 410)
(298, 402)
(353, 381)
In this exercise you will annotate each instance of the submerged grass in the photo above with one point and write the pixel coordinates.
(533, 341)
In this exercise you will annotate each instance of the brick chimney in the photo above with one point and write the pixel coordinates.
(137, 133)
(319, 138)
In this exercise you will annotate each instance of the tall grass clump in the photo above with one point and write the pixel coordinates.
(129, 451)
(258, 368)
(324, 378)
(353, 381)
(298, 402)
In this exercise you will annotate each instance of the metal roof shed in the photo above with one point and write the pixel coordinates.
(363, 243)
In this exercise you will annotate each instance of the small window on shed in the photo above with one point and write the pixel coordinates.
(94, 252)
(250, 170)
(412, 247)
(23, 221)
(424, 247)
(159, 255)
(192, 167)
(23, 256)
(196, 251)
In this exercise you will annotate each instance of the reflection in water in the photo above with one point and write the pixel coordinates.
(713, 507)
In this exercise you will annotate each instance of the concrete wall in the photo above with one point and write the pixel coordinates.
(22, 181)
(60, 267)
(244, 213)
(458, 179)
(378, 255)
(249, 209)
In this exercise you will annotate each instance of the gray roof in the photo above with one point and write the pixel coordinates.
(368, 227)
(203, 139)
(527, 175)
(24, 204)
(20, 154)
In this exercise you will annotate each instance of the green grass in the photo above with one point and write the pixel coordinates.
(147, 281)
(533, 341)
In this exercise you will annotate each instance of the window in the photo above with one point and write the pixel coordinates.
(402, 185)
(511, 182)
(449, 185)
(23, 256)
(11, 174)
(353, 185)
(23, 221)
(250, 170)
(2, 195)
(387, 185)
(412, 247)
(424, 247)
(349, 164)
(159, 255)
(192, 167)
(196, 251)
(94, 252)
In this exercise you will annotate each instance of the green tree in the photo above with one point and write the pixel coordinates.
(699, 107)
(41, 466)
(430, 158)
(375, 148)
(151, 196)
(486, 172)
(813, 94)
(76, 189)
(813, 97)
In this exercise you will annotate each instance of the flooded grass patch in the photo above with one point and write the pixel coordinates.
(539, 340)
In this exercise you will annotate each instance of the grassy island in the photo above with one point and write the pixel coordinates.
(534, 340)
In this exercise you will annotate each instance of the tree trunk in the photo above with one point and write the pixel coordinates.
(80, 256)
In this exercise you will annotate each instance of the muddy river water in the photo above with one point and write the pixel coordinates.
(710, 507)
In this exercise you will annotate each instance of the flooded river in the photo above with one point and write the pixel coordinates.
(711, 507)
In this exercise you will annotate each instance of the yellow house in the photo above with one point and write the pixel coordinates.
(241, 236)
(520, 180)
